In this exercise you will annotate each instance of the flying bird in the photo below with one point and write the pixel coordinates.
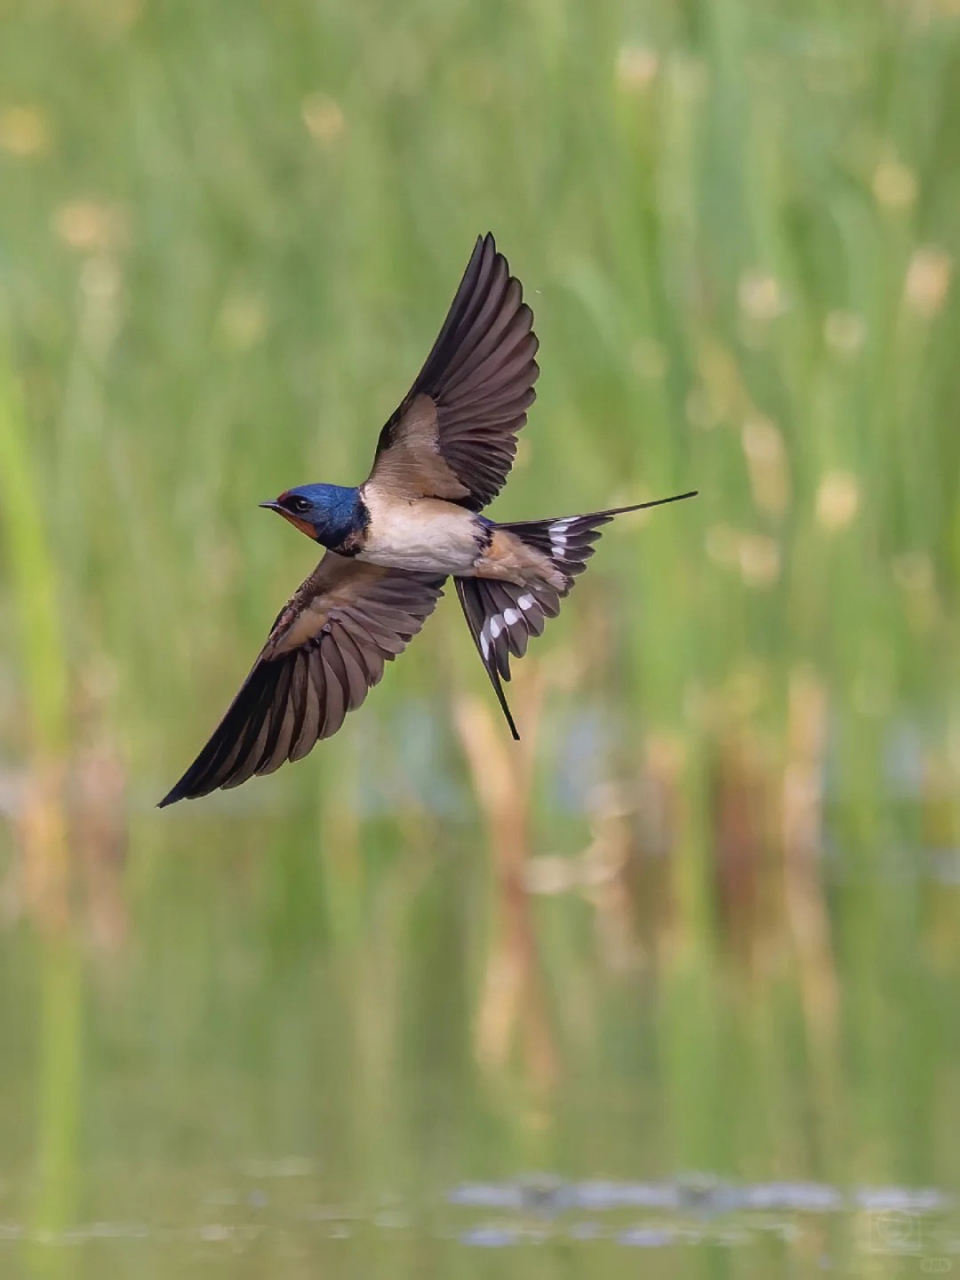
(392, 542)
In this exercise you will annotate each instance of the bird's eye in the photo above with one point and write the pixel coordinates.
(298, 504)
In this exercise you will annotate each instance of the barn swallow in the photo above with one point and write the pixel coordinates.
(392, 542)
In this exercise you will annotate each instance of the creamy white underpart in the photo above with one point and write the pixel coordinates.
(429, 536)
(558, 536)
(497, 622)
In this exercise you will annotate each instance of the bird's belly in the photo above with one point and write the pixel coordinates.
(428, 536)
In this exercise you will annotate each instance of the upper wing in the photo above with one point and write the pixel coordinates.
(326, 649)
(454, 435)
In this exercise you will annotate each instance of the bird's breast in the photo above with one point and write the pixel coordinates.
(426, 535)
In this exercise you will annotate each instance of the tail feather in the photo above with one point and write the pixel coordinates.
(568, 540)
(502, 616)
(471, 596)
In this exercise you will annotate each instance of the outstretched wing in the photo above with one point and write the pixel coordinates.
(455, 434)
(326, 650)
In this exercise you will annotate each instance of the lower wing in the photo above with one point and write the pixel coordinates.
(327, 649)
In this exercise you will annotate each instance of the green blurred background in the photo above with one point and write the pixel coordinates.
(698, 933)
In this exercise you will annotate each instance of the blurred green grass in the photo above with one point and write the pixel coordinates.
(736, 229)
(228, 235)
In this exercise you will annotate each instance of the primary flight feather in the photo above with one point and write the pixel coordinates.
(392, 542)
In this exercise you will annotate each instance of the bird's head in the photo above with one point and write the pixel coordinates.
(327, 513)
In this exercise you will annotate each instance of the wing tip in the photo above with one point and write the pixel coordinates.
(189, 787)
(184, 789)
(484, 250)
(486, 246)
(172, 796)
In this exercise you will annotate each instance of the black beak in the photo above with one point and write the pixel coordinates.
(271, 506)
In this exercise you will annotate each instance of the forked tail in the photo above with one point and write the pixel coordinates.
(502, 616)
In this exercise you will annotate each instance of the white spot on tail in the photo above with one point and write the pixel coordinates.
(558, 536)
(510, 616)
(489, 632)
(526, 602)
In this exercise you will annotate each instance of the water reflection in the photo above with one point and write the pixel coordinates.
(689, 1213)
(697, 1194)
(703, 1211)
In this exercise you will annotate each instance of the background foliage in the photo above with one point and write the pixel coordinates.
(705, 917)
